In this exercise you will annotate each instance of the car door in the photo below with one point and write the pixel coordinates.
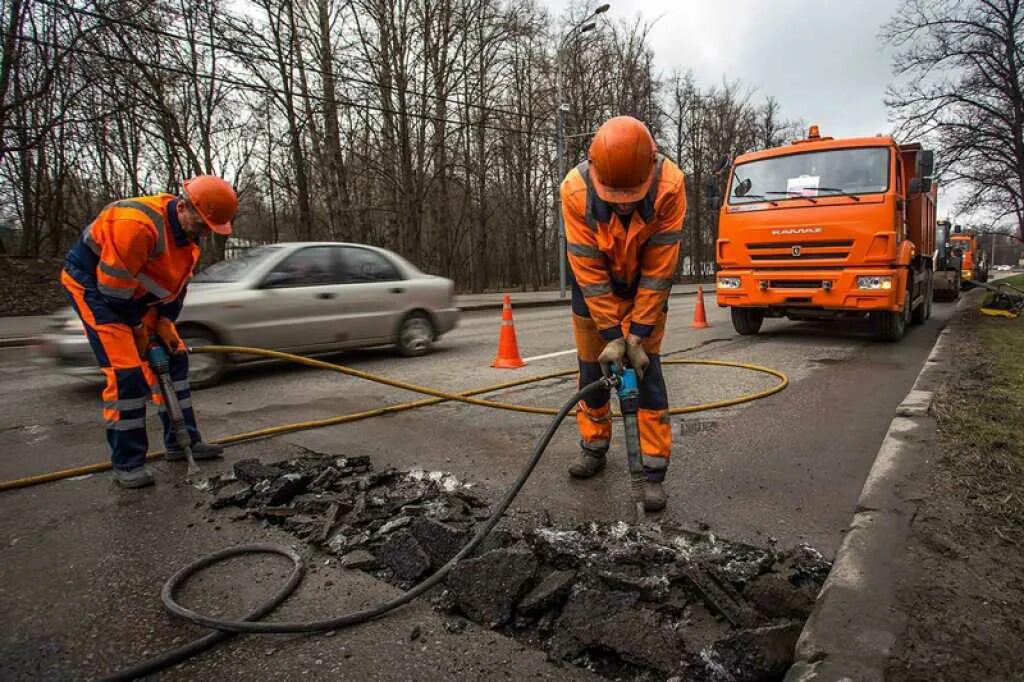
(373, 292)
(300, 305)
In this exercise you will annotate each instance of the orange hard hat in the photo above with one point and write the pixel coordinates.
(622, 158)
(215, 200)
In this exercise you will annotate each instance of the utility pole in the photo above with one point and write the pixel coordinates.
(561, 108)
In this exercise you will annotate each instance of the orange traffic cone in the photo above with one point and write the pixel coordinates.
(700, 318)
(508, 347)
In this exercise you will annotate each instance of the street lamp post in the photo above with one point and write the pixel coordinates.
(560, 137)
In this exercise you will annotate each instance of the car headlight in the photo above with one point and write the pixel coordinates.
(728, 282)
(874, 282)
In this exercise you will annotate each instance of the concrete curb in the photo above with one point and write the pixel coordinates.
(473, 307)
(855, 623)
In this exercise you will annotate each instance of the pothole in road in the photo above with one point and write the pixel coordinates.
(629, 602)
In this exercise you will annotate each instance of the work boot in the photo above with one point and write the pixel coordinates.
(654, 496)
(587, 463)
(134, 478)
(200, 450)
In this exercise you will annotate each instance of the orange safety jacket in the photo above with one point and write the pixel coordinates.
(135, 256)
(613, 262)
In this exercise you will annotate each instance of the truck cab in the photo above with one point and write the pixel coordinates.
(972, 259)
(825, 229)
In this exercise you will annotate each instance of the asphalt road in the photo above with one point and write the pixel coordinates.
(81, 563)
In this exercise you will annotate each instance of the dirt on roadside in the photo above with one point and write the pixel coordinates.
(964, 582)
(30, 286)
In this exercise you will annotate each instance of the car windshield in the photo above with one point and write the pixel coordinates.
(236, 268)
(792, 177)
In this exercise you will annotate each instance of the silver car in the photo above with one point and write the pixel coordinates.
(301, 297)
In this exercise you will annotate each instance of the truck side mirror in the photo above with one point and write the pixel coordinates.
(926, 163)
(920, 185)
(721, 166)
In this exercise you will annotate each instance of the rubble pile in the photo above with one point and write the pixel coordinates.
(627, 602)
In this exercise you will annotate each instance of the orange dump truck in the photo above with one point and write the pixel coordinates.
(972, 260)
(826, 229)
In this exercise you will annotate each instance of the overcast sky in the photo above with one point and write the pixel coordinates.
(821, 59)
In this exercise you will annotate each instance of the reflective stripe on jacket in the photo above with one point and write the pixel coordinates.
(135, 255)
(612, 262)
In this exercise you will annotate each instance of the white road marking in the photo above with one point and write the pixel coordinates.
(550, 355)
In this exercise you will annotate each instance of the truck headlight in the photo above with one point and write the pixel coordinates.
(874, 282)
(728, 282)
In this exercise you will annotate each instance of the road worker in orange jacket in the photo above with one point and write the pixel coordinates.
(623, 210)
(126, 278)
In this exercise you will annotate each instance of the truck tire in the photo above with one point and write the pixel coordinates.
(747, 321)
(892, 326)
(924, 311)
(929, 297)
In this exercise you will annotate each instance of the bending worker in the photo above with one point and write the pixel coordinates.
(126, 278)
(623, 210)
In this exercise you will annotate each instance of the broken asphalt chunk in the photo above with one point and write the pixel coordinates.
(404, 555)
(359, 559)
(548, 593)
(439, 540)
(252, 471)
(613, 621)
(486, 588)
(284, 488)
(234, 494)
(748, 656)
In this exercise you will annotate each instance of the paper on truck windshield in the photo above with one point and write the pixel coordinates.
(805, 185)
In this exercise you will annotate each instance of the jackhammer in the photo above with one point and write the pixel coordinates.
(160, 362)
(627, 388)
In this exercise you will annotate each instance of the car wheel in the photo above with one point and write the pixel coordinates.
(415, 335)
(204, 369)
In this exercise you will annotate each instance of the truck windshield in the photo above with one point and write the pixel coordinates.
(836, 172)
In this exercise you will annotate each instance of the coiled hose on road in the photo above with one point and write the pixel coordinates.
(225, 628)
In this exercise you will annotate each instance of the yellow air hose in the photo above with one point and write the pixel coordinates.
(438, 396)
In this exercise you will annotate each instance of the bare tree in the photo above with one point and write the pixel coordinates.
(959, 82)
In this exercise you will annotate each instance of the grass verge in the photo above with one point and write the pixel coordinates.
(981, 419)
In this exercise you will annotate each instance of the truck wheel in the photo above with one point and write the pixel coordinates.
(747, 321)
(929, 297)
(923, 311)
(892, 326)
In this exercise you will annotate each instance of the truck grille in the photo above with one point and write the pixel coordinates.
(814, 250)
(795, 283)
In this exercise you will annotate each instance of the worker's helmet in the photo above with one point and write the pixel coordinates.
(214, 199)
(622, 159)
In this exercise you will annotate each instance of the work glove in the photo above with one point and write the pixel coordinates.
(141, 336)
(614, 353)
(638, 359)
(168, 333)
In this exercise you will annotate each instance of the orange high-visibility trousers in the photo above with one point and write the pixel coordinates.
(594, 413)
(130, 383)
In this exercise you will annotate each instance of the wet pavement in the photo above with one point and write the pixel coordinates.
(82, 563)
